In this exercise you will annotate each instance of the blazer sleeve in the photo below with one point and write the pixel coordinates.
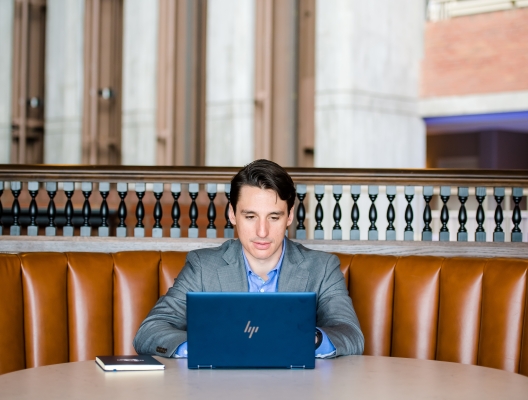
(165, 327)
(335, 312)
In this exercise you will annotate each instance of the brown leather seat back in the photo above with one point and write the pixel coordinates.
(465, 310)
(523, 369)
(371, 287)
(12, 348)
(459, 313)
(503, 312)
(171, 264)
(44, 283)
(90, 300)
(136, 290)
(345, 261)
(415, 308)
(70, 307)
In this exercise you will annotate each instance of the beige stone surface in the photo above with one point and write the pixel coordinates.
(342, 378)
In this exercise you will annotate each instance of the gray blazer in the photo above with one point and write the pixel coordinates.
(222, 269)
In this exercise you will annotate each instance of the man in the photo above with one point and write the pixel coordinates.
(261, 260)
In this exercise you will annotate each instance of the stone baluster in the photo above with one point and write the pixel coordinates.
(211, 210)
(1, 208)
(319, 215)
(480, 234)
(373, 214)
(194, 189)
(516, 235)
(391, 214)
(498, 233)
(463, 194)
(355, 192)
(408, 233)
(15, 229)
(139, 229)
(175, 231)
(445, 193)
(122, 191)
(157, 229)
(68, 188)
(427, 233)
(229, 232)
(32, 229)
(337, 233)
(300, 232)
(51, 229)
(86, 188)
(104, 190)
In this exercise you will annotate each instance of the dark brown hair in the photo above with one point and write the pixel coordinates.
(264, 174)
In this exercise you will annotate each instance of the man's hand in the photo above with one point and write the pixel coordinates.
(318, 338)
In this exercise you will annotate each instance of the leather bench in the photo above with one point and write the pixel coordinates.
(60, 307)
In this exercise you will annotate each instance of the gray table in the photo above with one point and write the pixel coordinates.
(343, 378)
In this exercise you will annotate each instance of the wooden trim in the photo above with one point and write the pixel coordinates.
(103, 50)
(22, 104)
(165, 82)
(263, 78)
(328, 176)
(201, 84)
(94, 80)
(27, 137)
(181, 82)
(275, 117)
(306, 84)
(24, 244)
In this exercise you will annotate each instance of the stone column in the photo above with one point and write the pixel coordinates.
(230, 84)
(64, 81)
(140, 22)
(367, 79)
(6, 48)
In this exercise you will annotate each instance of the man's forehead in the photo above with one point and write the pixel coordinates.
(252, 196)
(250, 211)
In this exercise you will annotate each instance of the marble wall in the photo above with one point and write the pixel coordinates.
(64, 81)
(139, 82)
(6, 49)
(230, 87)
(367, 75)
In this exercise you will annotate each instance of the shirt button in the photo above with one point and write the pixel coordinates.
(261, 290)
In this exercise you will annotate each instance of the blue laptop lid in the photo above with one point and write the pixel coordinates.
(251, 330)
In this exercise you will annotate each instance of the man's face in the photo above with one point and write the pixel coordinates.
(261, 220)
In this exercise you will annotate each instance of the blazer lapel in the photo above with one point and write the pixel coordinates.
(233, 277)
(293, 276)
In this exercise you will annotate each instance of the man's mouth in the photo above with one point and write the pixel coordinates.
(262, 245)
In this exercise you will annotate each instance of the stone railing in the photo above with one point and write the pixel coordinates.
(334, 205)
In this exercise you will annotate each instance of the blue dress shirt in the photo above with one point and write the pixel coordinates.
(257, 284)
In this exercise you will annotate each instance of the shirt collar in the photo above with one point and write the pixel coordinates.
(277, 267)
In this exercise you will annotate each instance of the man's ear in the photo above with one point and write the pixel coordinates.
(290, 217)
(232, 215)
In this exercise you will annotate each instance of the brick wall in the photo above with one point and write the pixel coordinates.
(484, 53)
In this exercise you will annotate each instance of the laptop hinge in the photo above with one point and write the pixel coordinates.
(205, 366)
(297, 367)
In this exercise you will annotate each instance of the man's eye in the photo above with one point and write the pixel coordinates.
(274, 218)
(249, 216)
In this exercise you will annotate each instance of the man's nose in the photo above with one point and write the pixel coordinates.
(262, 228)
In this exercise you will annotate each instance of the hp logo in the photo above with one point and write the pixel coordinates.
(250, 329)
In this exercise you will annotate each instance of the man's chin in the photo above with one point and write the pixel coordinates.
(261, 254)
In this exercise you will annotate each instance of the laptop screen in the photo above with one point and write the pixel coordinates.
(251, 330)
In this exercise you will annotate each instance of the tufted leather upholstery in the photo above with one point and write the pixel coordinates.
(73, 306)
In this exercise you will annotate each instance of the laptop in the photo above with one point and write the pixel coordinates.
(251, 330)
